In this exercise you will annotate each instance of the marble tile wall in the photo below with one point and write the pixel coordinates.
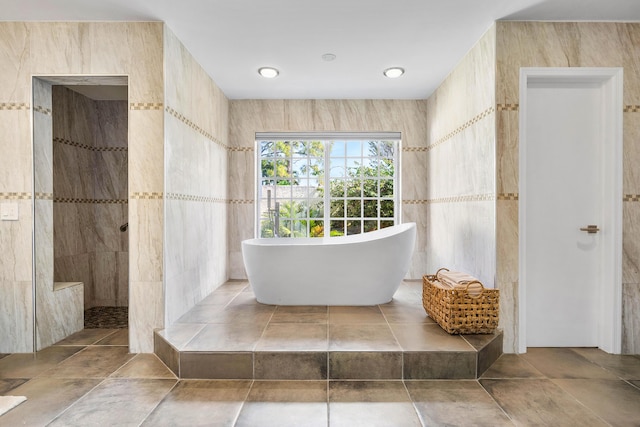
(196, 173)
(461, 167)
(96, 48)
(90, 196)
(546, 44)
(246, 117)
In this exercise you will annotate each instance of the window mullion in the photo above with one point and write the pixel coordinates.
(327, 188)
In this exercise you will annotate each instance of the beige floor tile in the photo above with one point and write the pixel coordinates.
(362, 338)
(179, 334)
(144, 366)
(539, 402)
(300, 314)
(512, 366)
(427, 337)
(564, 363)
(46, 399)
(91, 362)
(87, 337)
(346, 315)
(285, 403)
(119, 337)
(219, 298)
(615, 401)
(226, 337)
(9, 384)
(294, 337)
(128, 401)
(370, 403)
(405, 314)
(624, 366)
(241, 313)
(29, 365)
(200, 403)
(455, 403)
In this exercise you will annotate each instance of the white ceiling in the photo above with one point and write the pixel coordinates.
(231, 39)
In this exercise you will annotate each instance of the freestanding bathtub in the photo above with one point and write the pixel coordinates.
(362, 269)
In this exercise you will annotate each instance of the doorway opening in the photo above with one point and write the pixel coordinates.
(81, 244)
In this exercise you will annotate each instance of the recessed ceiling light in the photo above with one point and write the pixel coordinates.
(328, 57)
(268, 72)
(394, 72)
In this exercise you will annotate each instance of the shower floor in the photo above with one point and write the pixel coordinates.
(106, 318)
(229, 335)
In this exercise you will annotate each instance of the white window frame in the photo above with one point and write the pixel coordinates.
(329, 137)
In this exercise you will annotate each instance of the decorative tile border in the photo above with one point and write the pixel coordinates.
(241, 149)
(486, 113)
(240, 202)
(415, 149)
(193, 198)
(631, 109)
(15, 196)
(507, 107)
(42, 110)
(14, 106)
(453, 199)
(92, 201)
(146, 106)
(147, 196)
(508, 196)
(631, 198)
(195, 127)
(85, 146)
(44, 196)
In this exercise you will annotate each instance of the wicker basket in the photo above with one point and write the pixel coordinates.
(459, 311)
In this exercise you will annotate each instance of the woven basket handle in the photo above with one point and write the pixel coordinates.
(438, 272)
(471, 283)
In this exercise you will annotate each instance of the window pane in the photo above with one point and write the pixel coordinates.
(353, 209)
(337, 188)
(354, 149)
(386, 209)
(266, 228)
(370, 226)
(338, 149)
(385, 224)
(386, 188)
(316, 228)
(370, 209)
(354, 188)
(299, 229)
(353, 227)
(337, 168)
(316, 209)
(370, 188)
(337, 228)
(337, 209)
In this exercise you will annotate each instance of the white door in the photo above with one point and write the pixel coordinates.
(567, 188)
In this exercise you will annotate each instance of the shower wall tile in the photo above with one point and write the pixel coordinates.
(418, 213)
(15, 240)
(15, 62)
(509, 315)
(145, 240)
(59, 48)
(15, 145)
(631, 243)
(631, 156)
(16, 316)
(242, 165)
(105, 275)
(507, 156)
(507, 241)
(60, 314)
(112, 128)
(414, 171)
(241, 227)
(133, 49)
(146, 312)
(631, 318)
(106, 221)
(247, 117)
(77, 268)
(146, 151)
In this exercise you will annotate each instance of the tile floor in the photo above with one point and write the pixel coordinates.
(229, 335)
(91, 379)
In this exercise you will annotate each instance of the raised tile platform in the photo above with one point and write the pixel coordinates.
(229, 335)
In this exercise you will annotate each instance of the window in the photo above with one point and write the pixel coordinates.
(320, 185)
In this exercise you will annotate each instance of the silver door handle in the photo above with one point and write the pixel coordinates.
(591, 229)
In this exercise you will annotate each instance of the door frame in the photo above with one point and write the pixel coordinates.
(610, 294)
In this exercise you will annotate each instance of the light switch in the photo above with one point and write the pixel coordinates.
(9, 211)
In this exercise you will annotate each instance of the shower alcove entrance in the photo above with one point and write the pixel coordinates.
(80, 142)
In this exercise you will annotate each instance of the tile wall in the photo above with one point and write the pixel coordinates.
(90, 196)
(96, 48)
(545, 44)
(461, 166)
(250, 116)
(196, 117)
